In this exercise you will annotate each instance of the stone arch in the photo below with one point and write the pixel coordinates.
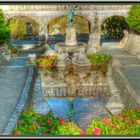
(115, 27)
(18, 23)
(63, 19)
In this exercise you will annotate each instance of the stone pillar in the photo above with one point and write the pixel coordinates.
(94, 41)
(71, 36)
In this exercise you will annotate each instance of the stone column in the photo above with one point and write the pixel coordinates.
(95, 31)
(71, 36)
(94, 41)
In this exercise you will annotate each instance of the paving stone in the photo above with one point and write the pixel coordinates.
(12, 82)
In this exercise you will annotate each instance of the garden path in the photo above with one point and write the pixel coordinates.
(131, 65)
(12, 79)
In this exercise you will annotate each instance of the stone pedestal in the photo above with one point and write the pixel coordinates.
(70, 36)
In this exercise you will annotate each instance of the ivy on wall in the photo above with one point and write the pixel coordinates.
(81, 23)
(17, 26)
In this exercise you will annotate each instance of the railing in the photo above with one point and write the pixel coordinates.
(96, 89)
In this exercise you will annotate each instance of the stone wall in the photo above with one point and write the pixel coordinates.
(124, 40)
(128, 95)
(2, 59)
(133, 44)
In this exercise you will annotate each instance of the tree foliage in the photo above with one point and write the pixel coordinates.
(133, 18)
(4, 29)
(114, 26)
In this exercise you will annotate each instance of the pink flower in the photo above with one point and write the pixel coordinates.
(50, 65)
(51, 128)
(106, 121)
(60, 119)
(18, 133)
(31, 129)
(42, 115)
(114, 127)
(20, 123)
(62, 122)
(127, 122)
(96, 131)
(23, 113)
(48, 121)
(81, 132)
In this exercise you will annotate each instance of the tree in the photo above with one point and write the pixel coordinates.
(4, 29)
(133, 18)
(114, 26)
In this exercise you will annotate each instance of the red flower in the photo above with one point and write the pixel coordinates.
(60, 119)
(62, 122)
(81, 132)
(20, 123)
(115, 126)
(48, 121)
(42, 115)
(96, 131)
(23, 113)
(127, 122)
(106, 121)
(48, 57)
(51, 128)
(18, 133)
(50, 65)
(31, 129)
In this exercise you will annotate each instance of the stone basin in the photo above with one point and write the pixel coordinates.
(71, 48)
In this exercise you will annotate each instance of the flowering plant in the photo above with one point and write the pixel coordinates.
(31, 123)
(46, 62)
(125, 123)
(69, 128)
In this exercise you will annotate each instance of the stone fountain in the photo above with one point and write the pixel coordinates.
(72, 75)
(71, 51)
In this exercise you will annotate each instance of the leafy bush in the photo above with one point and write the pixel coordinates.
(4, 29)
(13, 49)
(99, 61)
(133, 18)
(31, 123)
(46, 62)
(69, 128)
(114, 26)
(126, 123)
